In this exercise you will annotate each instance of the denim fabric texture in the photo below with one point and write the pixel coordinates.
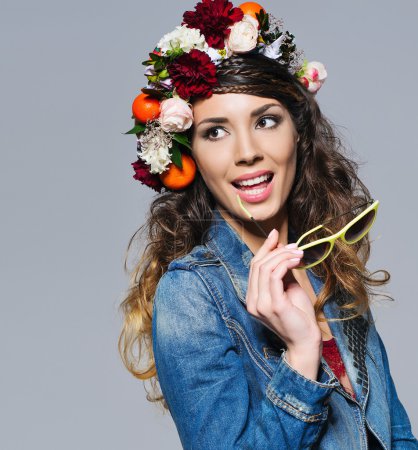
(225, 377)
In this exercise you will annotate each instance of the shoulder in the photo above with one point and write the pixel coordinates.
(183, 292)
(200, 254)
(182, 278)
(186, 314)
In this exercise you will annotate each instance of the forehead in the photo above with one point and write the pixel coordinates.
(230, 104)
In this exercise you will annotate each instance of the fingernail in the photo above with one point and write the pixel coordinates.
(271, 232)
(297, 252)
(291, 246)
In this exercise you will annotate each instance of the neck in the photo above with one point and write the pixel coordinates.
(251, 234)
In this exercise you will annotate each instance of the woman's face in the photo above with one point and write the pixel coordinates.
(240, 135)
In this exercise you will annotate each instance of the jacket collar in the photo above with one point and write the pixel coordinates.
(350, 335)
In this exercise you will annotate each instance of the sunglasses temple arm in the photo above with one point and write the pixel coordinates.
(308, 233)
(348, 212)
(259, 227)
(250, 216)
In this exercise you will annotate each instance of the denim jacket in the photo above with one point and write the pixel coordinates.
(224, 374)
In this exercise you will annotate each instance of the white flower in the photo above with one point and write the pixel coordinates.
(176, 115)
(273, 50)
(183, 38)
(155, 147)
(244, 34)
(217, 56)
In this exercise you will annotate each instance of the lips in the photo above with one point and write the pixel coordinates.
(256, 174)
(256, 193)
(249, 183)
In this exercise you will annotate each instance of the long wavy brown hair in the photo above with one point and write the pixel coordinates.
(326, 185)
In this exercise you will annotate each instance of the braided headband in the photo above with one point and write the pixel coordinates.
(183, 66)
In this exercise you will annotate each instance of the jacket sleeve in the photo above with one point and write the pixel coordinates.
(203, 381)
(402, 437)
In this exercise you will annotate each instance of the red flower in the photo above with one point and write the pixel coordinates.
(143, 175)
(193, 73)
(213, 18)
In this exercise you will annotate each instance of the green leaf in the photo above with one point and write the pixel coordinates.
(176, 156)
(163, 74)
(154, 56)
(136, 129)
(263, 20)
(153, 92)
(158, 66)
(182, 139)
(174, 53)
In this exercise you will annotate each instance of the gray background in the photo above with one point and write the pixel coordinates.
(69, 72)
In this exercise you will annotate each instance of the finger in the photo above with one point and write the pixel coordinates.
(264, 296)
(268, 245)
(253, 284)
(281, 249)
(278, 274)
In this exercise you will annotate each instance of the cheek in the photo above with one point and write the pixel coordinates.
(282, 150)
(208, 166)
(212, 161)
(285, 160)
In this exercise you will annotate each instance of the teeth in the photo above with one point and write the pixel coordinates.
(252, 181)
(254, 191)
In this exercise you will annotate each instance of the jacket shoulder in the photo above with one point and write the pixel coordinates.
(200, 254)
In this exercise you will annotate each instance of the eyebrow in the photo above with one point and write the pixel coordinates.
(254, 113)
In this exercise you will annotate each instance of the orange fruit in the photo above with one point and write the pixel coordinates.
(251, 8)
(176, 178)
(145, 108)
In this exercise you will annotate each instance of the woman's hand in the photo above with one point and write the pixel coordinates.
(276, 299)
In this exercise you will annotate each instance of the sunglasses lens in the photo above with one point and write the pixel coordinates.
(360, 227)
(314, 253)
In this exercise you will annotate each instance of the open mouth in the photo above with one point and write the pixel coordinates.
(254, 187)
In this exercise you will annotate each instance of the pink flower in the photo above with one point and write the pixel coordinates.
(176, 115)
(314, 76)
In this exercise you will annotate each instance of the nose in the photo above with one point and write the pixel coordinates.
(246, 150)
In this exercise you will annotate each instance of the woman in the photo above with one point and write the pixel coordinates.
(255, 343)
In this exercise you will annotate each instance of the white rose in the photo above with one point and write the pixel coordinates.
(243, 36)
(176, 115)
(183, 38)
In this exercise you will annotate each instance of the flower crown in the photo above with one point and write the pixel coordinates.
(183, 66)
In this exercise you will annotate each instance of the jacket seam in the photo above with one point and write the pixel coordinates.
(230, 273)
(222, 308)
(251, 351)
(371, 357)
(380, 438)
(330, 385)
(294, 411)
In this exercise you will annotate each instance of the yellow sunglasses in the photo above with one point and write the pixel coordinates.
(316, 251)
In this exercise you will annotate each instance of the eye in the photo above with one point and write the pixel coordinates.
(214, 133)
(268, 122)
